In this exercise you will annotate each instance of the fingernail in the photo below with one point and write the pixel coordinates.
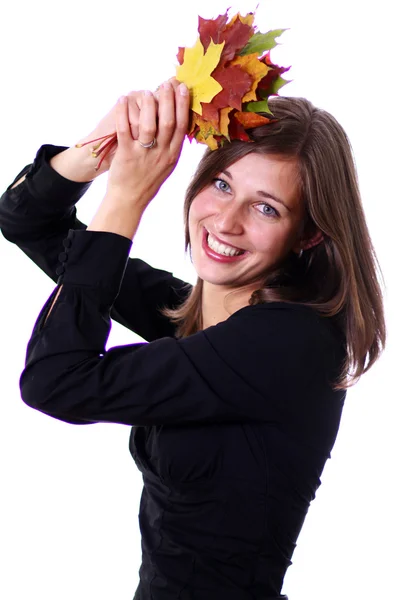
(148, 93)
(183, 90)
(166, 85)
(121, 99)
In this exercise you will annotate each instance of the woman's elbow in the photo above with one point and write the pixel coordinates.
(34, 395)
(39, 391)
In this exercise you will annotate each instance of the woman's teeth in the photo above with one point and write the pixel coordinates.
(222, 248)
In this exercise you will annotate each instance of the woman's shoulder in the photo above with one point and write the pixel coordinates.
(289, 317)
(284, 334)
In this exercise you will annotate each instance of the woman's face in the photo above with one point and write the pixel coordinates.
(246, 221)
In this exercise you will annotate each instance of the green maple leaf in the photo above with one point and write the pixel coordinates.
(261, 42)
(278, 84)
(261, 106)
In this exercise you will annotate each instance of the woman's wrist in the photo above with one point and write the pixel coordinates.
(116, 215)
(76, 164)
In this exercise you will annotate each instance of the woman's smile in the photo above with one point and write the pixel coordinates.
(220, 251)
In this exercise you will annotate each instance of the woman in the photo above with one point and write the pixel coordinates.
(236, 401)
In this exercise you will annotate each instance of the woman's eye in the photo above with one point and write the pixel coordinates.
(268, 210)
(220, 184)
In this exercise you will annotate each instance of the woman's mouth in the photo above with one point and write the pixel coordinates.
(219, 251)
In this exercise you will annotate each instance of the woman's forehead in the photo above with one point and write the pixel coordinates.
(271, 174)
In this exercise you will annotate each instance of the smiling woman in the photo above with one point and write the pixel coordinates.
(309, 244)
(235, 402)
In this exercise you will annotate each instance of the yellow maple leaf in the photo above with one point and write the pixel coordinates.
(196, 71)
(209, 140)
(255, 68)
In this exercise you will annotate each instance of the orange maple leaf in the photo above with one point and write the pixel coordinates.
(250, 119)
(246, 20)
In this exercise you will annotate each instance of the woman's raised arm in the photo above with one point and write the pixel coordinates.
(38, 209)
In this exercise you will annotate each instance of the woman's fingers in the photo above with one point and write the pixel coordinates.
(140, 117)
(137, 172)
(147, 118)
(166, 114)
(134, 100)
(124, 133)
(182, 102)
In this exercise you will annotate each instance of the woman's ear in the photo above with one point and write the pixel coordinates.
(307, 243)
(316, 239)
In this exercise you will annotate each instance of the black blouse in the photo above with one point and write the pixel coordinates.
(231, 426)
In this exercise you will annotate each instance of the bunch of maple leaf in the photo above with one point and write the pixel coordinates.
(230, 77)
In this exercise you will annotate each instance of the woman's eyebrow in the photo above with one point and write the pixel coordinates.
(261, 193)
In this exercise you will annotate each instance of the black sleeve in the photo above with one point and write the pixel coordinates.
(268, 362)
(37, 214)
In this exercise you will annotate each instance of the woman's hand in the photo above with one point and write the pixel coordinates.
(136, 172)
(107, 125)
(77, 163)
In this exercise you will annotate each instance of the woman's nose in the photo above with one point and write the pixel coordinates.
(229, 220)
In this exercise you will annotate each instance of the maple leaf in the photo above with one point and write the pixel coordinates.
(261, 42)
(235, 83)
(193, 133)
(180, 55)
(205, 128)
(211, 29)
(278, 84)
(260, 106)
(196, 71)
(250, 119)
(247, 19)
(235, 34)
(224, 121)
(210, 140)
(237, 131)
(192, 122)
(211, 113)
(272, 80)
(255, 68)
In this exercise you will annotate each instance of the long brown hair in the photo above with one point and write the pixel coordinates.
(339, 277)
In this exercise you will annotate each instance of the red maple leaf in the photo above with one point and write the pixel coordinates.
(210, 113)
(235, 83)
(211, 29)
(235, 35)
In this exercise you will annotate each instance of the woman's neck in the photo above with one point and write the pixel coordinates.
(219, 303)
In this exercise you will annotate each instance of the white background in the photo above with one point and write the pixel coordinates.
(70, 495)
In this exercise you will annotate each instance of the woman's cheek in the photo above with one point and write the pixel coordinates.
(203, 205)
